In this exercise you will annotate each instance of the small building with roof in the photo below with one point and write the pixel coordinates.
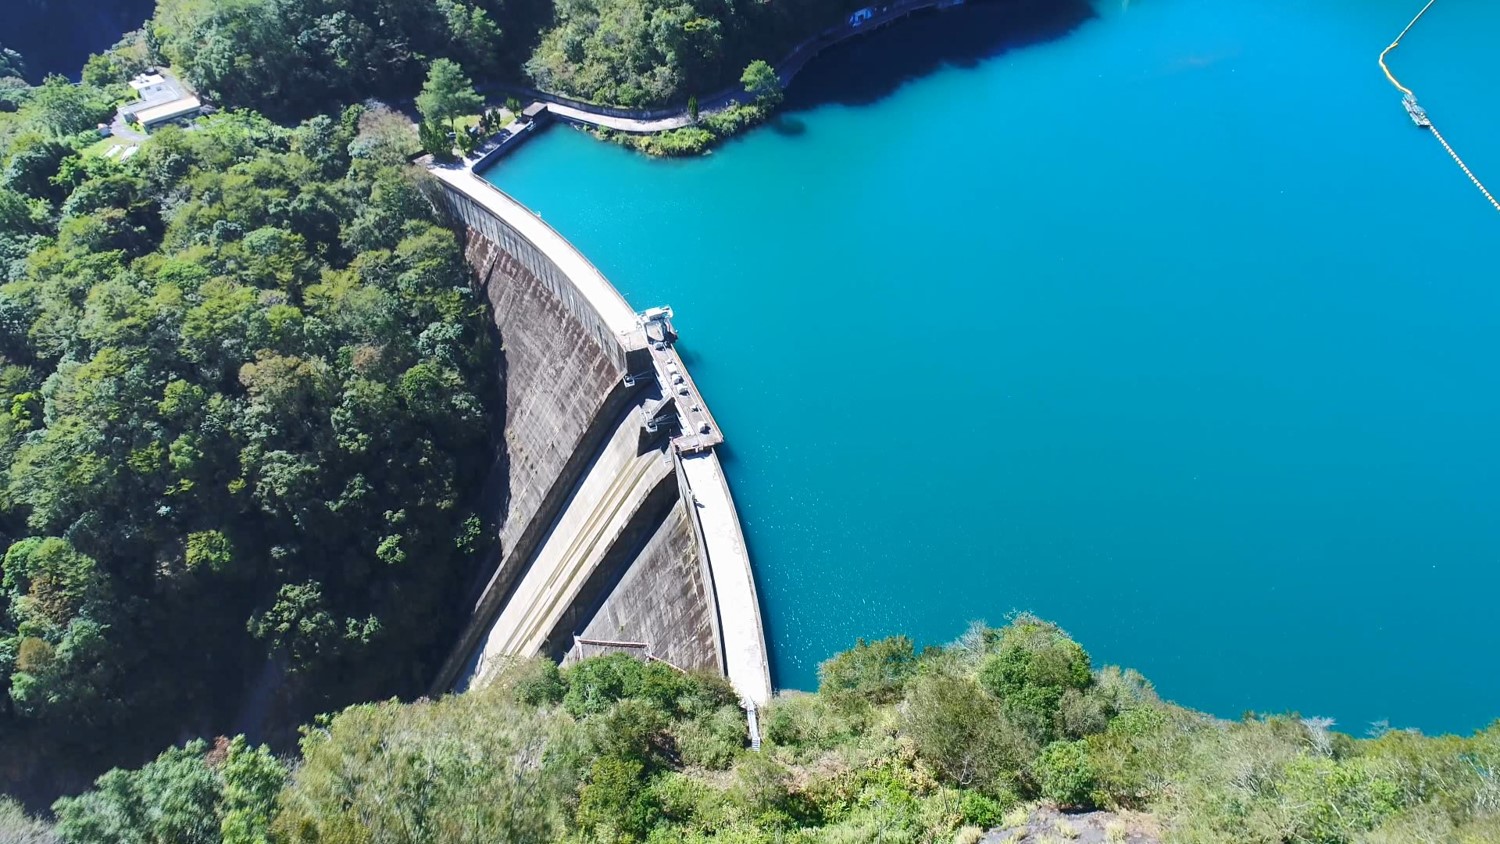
(163, 99)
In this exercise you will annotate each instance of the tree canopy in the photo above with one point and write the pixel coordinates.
(760, 80)
(244, 411)
(447, 94)
(656, 52)
(295, 57)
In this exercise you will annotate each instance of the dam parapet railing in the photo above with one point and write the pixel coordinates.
(588, 296)
(636, 345)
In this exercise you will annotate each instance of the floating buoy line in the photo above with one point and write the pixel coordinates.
(1419, 115)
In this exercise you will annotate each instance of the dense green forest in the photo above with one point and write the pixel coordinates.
(896, 746)
(244, 422)
(290, 59)
(653, 52)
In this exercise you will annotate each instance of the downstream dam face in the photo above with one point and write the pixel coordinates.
(617, 531)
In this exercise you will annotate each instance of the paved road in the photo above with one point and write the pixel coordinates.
(574, 114)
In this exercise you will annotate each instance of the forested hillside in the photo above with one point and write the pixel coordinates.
(652, 52)
(292, 58)
(897, 747)
(244, 420)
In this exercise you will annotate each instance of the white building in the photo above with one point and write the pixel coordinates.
(163, 98)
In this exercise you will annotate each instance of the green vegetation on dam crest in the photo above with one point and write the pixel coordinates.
(1174, 329)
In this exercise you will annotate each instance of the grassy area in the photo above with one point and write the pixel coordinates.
(100, 147)
(471, 120)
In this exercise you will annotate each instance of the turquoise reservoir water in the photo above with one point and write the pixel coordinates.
(1173, 329)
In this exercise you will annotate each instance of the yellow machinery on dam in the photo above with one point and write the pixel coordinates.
(618, 531)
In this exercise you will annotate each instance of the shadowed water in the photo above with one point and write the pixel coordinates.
(1174, 330)
(58, 36)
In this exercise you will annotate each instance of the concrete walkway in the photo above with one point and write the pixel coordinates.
(575, 114)
(744, 640)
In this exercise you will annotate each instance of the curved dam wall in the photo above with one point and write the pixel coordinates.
(615, 529)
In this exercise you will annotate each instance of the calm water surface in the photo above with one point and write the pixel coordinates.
(1173, 329)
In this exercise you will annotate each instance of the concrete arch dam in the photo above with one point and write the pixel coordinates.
(619, 533)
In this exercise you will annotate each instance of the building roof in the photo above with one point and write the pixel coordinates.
(533, 110)
(147, 80)
(163, 112)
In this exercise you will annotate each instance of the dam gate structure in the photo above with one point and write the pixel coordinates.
(618, 532)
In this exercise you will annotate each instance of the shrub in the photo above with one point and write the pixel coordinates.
(734, 119)
(690, 803)
(689, 140)
(761, 786)
(884, 812)
(1333, 801)
(1132, 758)
(960, 730)
(1064, 774)
(211, 550)
(594, 684)
(983, 810)
(700, 693)
(712, 740)
(631, 729)
(466, 769)
(873, 672)
(1034, 665)
(613, 804)
(807, 721)
(16, 827)
(174, 798)
(537, 682)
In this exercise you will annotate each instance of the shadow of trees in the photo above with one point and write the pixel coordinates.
(868, 69)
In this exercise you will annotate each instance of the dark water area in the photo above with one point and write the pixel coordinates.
(58, 36)
(868, 69)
